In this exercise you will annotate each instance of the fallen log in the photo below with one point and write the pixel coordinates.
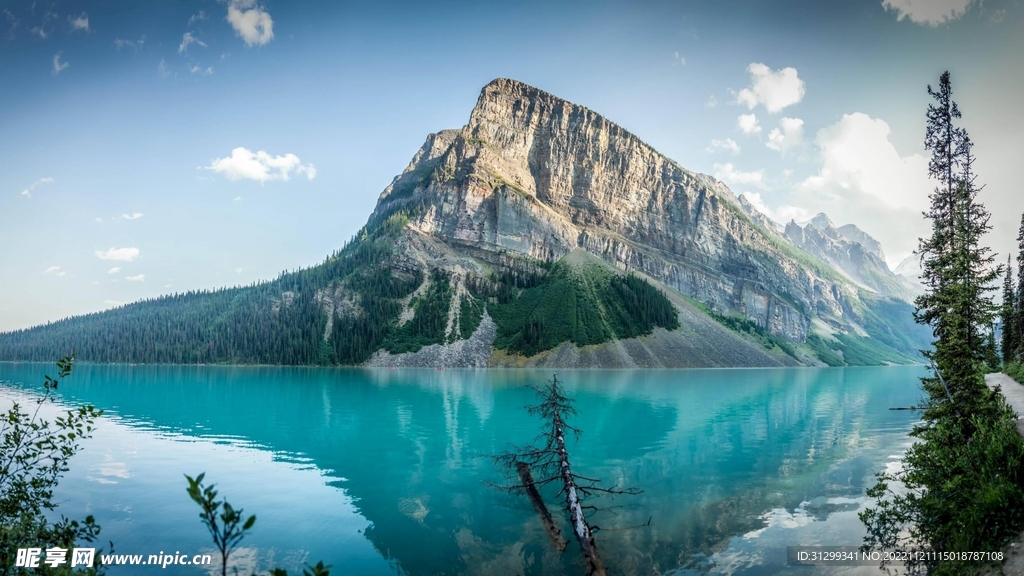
(526, 479)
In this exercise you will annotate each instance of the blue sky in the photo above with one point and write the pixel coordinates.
(154, 147)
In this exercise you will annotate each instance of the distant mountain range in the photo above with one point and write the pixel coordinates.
(539, 234)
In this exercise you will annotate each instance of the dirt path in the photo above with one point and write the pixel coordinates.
(1014, 393)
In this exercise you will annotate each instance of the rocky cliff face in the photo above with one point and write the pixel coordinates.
(536, 176)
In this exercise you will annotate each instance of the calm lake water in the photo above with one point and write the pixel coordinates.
(386, 471)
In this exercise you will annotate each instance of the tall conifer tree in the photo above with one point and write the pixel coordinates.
(1008, 319)
(1019, 308)
(948, 257)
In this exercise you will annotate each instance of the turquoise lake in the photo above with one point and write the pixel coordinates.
(387, 471)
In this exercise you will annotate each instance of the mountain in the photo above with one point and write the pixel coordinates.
(852, 252)
(539, 234)
(910, 269)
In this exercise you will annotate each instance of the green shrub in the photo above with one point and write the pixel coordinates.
(964, 484)
(1015, 370)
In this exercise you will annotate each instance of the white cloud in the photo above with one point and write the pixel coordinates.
(748, 123)
(136, 278)
(80, 22)
(774, 90)
(98, 219)
(930, 12)
(680, 59)
(789, 133)
(55, 271)
(200, 16)
(186, 39)
(122, 254)
(864, 180)
(729, 174)
(712, 101)
(58, 66)
(755, 199)
(132, 216)
(114, 270)
(727, 144)
(787, 213)
(783, 213)
(238, 270)
(162, 70)
(260, 166)
(200, 70)
(113, 303)
(238, 198)
(27, 192)
(251, 22)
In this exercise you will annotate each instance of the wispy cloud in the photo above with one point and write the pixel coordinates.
(162, 69)
(132, 44)
(133, 216)
(260, 166)
(728, 144)
(123, 254)
(712, 101)
(136, 278)
(114, 270)
(201, 71)
(187, 39)
(58, 66)
(198, 17)
(55, 271)
(251, 22)
(730, 175)
(773, 89)
(678, 58)
(27, 192)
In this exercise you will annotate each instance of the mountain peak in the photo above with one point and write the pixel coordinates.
(821, 221)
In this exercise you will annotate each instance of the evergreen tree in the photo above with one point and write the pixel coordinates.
(1019, 308)
(973, 260)
(952, 260)
(1009, 317)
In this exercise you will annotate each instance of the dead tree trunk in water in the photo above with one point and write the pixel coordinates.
(551, 461)
(580, 527)
(530, 488)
